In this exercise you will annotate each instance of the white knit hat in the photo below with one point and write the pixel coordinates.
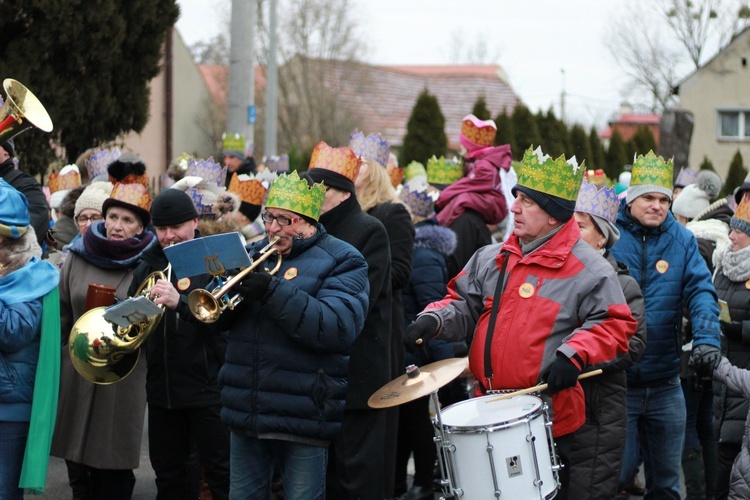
(696, 197)
(93, 197)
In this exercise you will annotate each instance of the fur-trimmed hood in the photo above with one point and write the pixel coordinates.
(14, 254)
(435, 237)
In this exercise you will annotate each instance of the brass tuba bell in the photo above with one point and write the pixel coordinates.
(104, 353)
(21, 111)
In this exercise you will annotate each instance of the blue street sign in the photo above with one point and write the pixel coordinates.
(251, 114)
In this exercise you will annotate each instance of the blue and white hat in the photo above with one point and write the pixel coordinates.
(14, 212)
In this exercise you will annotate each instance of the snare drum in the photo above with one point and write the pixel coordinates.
(498, 449)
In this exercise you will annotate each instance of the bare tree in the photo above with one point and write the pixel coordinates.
(317, 53)
(657, 50)
(463, 51)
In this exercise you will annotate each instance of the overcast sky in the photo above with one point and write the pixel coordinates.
(533, 40)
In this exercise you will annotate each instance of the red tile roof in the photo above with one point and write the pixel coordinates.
(387, 94)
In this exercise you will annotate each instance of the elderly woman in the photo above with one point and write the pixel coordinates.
(597, 447)
(285, 378)
(732, 282)
(24, 281)
(99, 427)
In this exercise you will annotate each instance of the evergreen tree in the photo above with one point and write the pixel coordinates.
(616, 156)
(580, 147)
(735, 175)
(643, 141)
(525, 130)
(707, 165)
(598, 156)
(554, 133)
(505, 131)
(425, 131)
(480, 109)
(90, 66)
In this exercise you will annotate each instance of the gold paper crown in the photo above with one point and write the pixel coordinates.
(289, 192)
(652, 170)
(443, 171)
(249, 190)
(67, 178)
(132, 194)
(480, 132)
(343, 161)
(741, 217)
(556, 177)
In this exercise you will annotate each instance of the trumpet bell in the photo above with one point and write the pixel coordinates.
(92, 346)
(21, 111)
(204, 306)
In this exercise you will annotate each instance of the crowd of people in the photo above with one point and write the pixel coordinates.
(536, 271)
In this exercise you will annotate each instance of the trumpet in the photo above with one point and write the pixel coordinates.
(207, 306)
(104, 353)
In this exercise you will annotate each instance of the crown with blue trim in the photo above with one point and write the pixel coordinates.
(208, 170)
(419, 196)
(278, 164)
(98, 162)
(292, 193)
(686, 177)
(556, 177)
(373, 147)
(600, 202)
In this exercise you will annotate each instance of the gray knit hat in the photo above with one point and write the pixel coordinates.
(93, 197)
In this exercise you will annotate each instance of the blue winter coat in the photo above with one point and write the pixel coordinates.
(686, 278)
(287, 362)
(20, 324)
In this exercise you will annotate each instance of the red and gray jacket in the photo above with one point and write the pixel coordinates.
(563, 297)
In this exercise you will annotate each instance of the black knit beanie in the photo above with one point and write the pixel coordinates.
(559, 208)
(331, 179)
(172, 207)
(249, 210)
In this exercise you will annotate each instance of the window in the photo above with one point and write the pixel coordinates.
(734, 124)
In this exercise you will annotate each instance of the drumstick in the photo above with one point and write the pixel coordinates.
(541, 387)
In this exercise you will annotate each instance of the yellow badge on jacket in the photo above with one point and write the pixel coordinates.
(183, 284)
(526, 290)
(662, 266)
(290, 273)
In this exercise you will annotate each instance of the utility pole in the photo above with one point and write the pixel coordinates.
(271, 86)
(562, 97)
(241, 98)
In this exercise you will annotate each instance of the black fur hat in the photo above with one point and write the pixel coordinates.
(127, 164)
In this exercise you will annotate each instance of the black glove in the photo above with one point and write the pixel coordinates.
(705, 359)
(563, 374)
(254, 286)
(732, 330)
(423, 328)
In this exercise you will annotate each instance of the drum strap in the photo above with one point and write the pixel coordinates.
(499, 288)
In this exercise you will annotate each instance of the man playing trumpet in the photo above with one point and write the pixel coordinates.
(284, 382)
(183, 366)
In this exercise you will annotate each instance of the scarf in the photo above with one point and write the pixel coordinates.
(711, 230)
(15, 289)
(735, 264)
(44, 405)
(103, 253)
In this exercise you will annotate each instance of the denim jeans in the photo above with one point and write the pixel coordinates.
(656, 420)
(303, 468)
(12, 447)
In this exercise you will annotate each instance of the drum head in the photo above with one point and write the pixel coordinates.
(483, 411)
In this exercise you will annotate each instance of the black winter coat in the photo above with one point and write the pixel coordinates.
(472, 234)
(731, 408)
(183, 357)
(597, 446)
(397, 222)
(372, 354)
(32, 190)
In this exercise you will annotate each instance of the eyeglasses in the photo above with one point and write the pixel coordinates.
(82, 220)
(280, 220)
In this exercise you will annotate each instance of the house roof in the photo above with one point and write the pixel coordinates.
(630, 119)
(735, 39)
(217, 78)
(387, 94)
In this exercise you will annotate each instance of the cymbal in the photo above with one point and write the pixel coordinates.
(421, 382)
